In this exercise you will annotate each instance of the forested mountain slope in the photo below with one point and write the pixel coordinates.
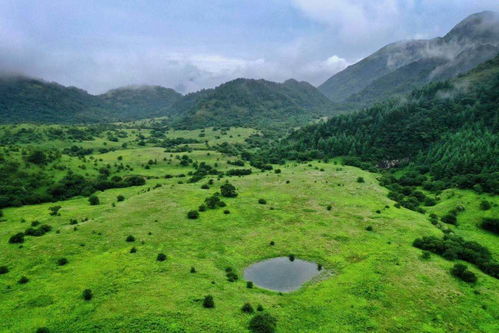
(398, 68)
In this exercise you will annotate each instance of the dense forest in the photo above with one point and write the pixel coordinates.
(446, 129)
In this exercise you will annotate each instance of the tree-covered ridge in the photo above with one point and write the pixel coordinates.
(399, 67)
(254, 103)
(448, 128)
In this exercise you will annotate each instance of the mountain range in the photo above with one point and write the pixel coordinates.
(393, 71)
(398, 68)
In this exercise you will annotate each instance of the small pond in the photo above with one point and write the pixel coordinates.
(281, 274)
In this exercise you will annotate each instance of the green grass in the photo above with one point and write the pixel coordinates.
(374, 280)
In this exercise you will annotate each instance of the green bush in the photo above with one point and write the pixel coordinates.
(262, 323)
(17, 238)
(360, 180)
(485, 205)
(62, 261)
(291, 257)
(262, 201)
(208, 302)
(94, 200)
(491, 224)
(193, 270)
(228, 190)
(23, 280)
(461, 271)
(161, 257)
(193, 214)
(249, 285)
(120, 198)
(133, 250)
(259, 307)
(87, 294)
(42, 330)
(247, 308)
(4, 270)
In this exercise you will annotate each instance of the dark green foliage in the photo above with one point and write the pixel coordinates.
(449, 218)
(238, 172)
(62, 261)
(369, 228)
(54, 210)
(202, 208)
(259, 307)
(226, 212)
(37, 232)
(491, 224)
(214, 201)
(193, 270)
(461, 271)
(208, 302)
(291, 257)
(87, 294)
(232, 276)
(4, 270)
(228, 190)
(485, 205)
(454, 247)
(262, 201)
(94, 200)
(329, 207)
(17, 238)
(360, 180)
(161, 257)
(263, 323)
(272, 243)
(193, 214)
(426, 255)
(120, 198)
(247, 308)
(133, 250)
(23, 280)
(42, 330)
(130, 238)
(249, 284)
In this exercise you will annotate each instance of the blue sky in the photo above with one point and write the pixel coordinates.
(189, 45)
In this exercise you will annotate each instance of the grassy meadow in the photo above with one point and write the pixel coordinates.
(373, 280)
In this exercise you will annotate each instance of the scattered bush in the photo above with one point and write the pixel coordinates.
(130, 239)
(4, 270)
(17, 238)
(202, 208)
(205, 187)
(226, 211)
(54, 210)
(193, 270)
(272, 243)
(262, 201)
(193, 214)
(247, 308)
(259, 307)
(23, 280)
(232, 277)
(491, 224)
(426, 255)
(449, 219)
(87, 294)
(94, 200)
(249, 284)
(461, 271)
(62, 261)
(133, 250)
(161, 257)
(485, 205)
(369, 228)
(228, 190)
(120, 198)
(360, 180)
(262, 323)
(42, 330)
(208, 302)
(329, 207)
(291, 257)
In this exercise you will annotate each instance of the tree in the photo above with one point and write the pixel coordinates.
(247, 308)
(94, 200)
(193, 214)
(208, 302)
(228, 190)
(87, 294)
(263, 323)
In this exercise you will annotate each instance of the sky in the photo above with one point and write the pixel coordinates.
(189, 45)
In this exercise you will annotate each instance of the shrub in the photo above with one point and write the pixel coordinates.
(247, 308)
(369, 228)
(208, 302)
(249, 285)
(23, 280)
(62, 261)
(228, 190)
(272, 243)
(485, 205)
(205, 187)
(232, 277)
(193, 270)
(360, 180)
(259, 307)
(449, 219)
(42, 330)
(226, 211)
(262, 201)
(54, 210)
(193, 214)
(17, 238)
(291, 257)
(426, 255)
(329, 207)
(130, 239)
(262, 323)
(120, 198)
(161, 257)
(491, 224)
(94, 200)
(87, 294)
(461, 271)
(133, 250)
(202, 208)
(4, 270)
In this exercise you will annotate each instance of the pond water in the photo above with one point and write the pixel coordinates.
(281, 274)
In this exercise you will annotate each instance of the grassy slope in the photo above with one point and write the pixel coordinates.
(377, 282)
